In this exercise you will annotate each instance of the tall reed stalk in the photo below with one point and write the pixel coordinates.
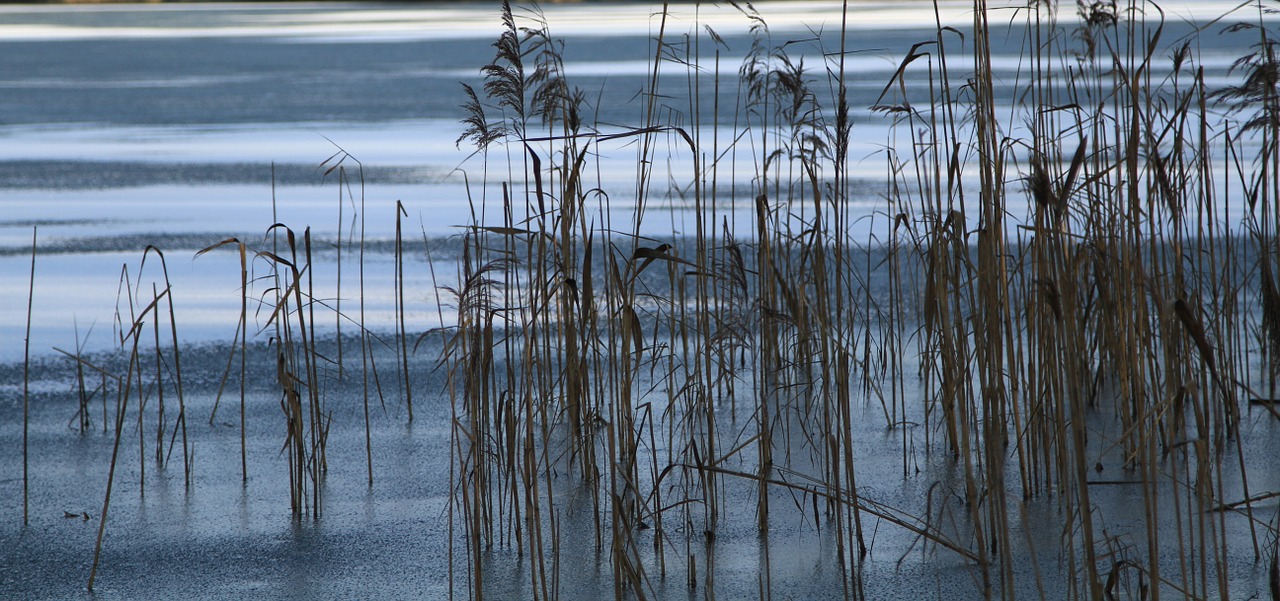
(26, 384)
(130, 338)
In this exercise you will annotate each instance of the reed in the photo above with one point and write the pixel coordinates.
(26, 384)
(241, 336)
(337, 163)
(297, 374)
(130, 338)
(403, 349)
(307, 421)
(83, 395)
(82, 419)
(181, 425)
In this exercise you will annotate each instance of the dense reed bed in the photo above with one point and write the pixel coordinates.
(1057, 324)
(1125, 319)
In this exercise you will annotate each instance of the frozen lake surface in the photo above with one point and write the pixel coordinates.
(182, 125)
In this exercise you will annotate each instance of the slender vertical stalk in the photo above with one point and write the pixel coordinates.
(337, 302)
(160, 425)
(244, 334)
(122, 405)
(404, 341)
(366, 359)
(26, 379)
